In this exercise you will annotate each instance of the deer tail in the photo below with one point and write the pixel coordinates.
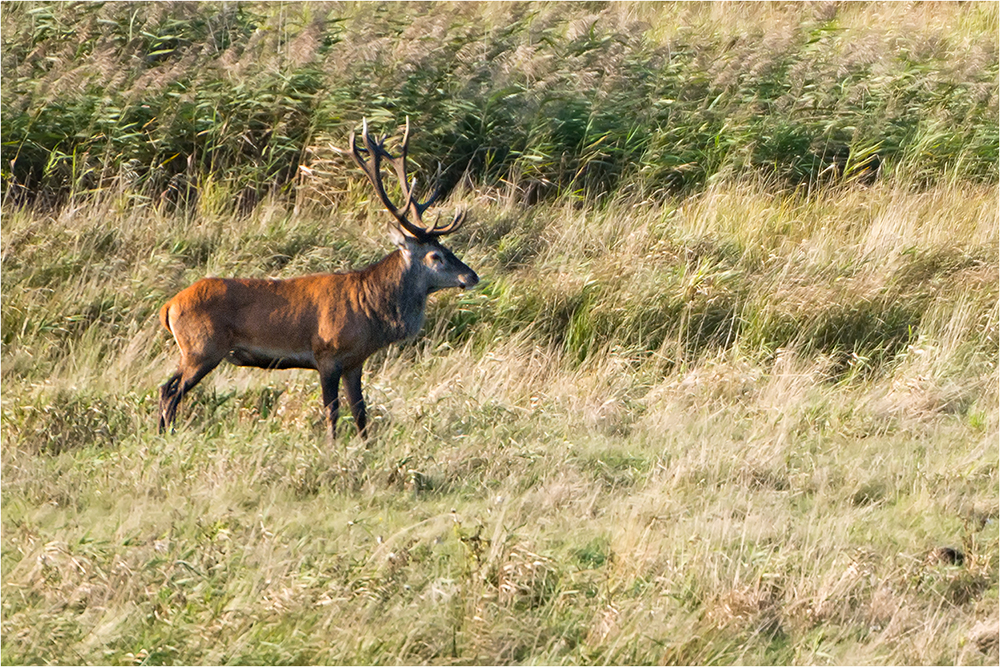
(165, 316)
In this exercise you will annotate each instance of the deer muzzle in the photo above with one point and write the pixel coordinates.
(468, 280)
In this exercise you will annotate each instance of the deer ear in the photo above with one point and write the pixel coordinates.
(400, 238)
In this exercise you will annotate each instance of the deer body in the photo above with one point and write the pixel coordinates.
(347, 315)
(330, 322)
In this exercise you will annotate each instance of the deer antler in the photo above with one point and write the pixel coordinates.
(373, 170)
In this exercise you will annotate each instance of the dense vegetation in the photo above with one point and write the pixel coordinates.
(727, 393)
(608, 99)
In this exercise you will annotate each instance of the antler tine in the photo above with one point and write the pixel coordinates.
(371, 168)
(434, 195)
(408, 185)
(373, 171)
(455, 223)
(399, 164)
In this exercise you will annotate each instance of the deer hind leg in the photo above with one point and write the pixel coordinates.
(168, 400)
(179, 384)
(352, 387)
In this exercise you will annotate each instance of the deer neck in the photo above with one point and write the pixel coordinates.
(395, 295)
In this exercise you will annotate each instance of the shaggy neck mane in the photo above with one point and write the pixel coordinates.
(392, 296)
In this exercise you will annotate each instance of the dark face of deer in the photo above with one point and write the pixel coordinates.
(433, 265)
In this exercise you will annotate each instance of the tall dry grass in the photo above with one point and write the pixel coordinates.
(573, 465)
(548, 98)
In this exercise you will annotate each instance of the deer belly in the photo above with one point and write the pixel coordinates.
(265, 358)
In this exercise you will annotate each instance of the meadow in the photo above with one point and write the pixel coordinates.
(727, 393)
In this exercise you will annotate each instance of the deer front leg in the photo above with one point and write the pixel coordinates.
(329, 380)
(352, 387)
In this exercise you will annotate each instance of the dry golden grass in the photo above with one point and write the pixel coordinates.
(568, 466)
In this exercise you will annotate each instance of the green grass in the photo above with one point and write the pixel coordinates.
(545, 98)
(726, 393)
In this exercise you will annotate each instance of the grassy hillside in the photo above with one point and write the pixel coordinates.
(728, 391)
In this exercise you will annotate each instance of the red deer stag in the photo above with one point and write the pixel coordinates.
(327, 322)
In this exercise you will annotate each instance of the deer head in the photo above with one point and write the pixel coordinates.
(418, 242)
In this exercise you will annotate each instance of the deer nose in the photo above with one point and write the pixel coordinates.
(467, 280)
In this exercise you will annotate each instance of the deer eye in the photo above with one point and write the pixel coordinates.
(435, 258)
